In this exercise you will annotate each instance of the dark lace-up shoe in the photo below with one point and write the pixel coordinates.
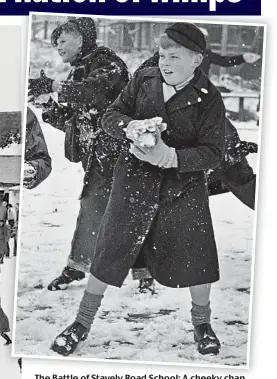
(206, 339)
(67, 342)
(67, 276)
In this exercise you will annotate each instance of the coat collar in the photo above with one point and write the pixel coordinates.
(194, 92)
(153, 88)
(82, 58)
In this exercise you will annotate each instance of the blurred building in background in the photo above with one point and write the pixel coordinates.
(10, 156)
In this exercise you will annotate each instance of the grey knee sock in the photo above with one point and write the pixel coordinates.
(200, 314)
(88, 308)
(141, 273)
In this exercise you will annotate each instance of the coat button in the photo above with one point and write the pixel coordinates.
(132, 200)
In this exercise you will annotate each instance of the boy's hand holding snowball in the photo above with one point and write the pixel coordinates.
(144, 130)
(148, 145)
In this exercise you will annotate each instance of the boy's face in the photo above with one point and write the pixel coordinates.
(69, 46)
(177, 63)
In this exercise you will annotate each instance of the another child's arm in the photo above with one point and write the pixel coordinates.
(225, 60)
(232, 60)
(36, 153)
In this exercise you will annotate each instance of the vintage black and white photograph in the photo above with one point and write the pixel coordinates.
(137, 225)
(10, 166)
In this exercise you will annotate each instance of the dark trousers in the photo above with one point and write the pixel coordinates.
(15, 246)
(7, 250)
(92, 208)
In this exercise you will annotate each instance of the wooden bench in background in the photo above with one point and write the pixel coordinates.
(241, 96)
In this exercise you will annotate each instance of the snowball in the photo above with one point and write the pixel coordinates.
(147, 140)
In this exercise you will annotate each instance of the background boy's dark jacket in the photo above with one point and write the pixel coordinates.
(36, 152)
(94, 82)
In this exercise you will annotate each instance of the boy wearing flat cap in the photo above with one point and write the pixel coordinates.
(173, 119)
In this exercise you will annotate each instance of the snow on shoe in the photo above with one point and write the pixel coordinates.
(67, 342)
(206, 339)
(67, 276)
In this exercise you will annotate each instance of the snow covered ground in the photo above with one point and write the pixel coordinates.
(14, 149)
(129, 326)
(8, 365)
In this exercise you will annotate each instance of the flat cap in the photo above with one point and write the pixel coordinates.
(187, 35)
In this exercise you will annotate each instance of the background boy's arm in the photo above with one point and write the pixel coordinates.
(224, 60)
(56, 114)
(36, 152)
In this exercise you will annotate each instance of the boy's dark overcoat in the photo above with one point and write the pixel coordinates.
(164, 212)
(96, 79)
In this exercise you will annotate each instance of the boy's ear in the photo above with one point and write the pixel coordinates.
(198, 58)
